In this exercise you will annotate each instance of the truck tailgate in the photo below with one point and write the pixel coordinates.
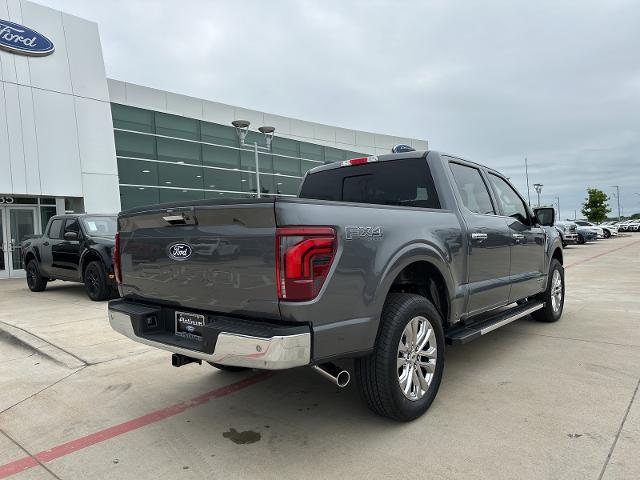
(212, 257)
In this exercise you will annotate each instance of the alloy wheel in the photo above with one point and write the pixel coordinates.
(556, 291)
(417, 356)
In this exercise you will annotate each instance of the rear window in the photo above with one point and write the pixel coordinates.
(405, 182)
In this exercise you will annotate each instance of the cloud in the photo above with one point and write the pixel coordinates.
(557, 82)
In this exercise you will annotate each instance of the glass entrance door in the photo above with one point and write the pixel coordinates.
(4, 255)
(18, 222)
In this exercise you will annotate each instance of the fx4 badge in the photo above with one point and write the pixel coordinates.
(355, 231)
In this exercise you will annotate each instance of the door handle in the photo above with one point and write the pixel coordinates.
(518, 236)
(478, 236)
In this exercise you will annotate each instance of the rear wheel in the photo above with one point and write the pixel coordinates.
(553, 296)
(95, 281)
(35, 281)
(607, 234)
(227, 368)
(400, 379)
(580, 239)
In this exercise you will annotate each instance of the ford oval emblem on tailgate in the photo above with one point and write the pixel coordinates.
(180, 251)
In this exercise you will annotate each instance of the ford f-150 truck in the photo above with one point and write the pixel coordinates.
(381, 260)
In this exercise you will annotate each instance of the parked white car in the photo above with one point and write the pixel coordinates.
(600, 232)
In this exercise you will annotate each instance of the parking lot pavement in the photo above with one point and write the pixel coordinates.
(529, 400)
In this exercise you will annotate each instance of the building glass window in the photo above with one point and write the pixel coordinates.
(135, 145)
(179, 127)
(174, 175)
(179, 151)
(220, 156)
(219, 134)
(311, 151)
(131, 118)
(137, 172)
(222, 180)
(136, 196)
(177, 195)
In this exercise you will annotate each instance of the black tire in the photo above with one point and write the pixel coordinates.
(228, 368)
(95, 282)
(377, 375)
(548, 313)
(580, 240)
(607, 234)
(564, 244)
(35, 281)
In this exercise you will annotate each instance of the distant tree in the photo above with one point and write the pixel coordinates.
(635, 216)
(595, 207)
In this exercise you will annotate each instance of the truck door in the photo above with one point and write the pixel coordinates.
(488, 241)
(68, 250)
(52, 237)
(527, 241)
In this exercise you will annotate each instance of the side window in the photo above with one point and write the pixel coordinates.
(472, 189)
(72, 225)
(512, 204)
(54, 229)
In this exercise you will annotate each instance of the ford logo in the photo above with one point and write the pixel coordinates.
(23, 40)
(180, 251)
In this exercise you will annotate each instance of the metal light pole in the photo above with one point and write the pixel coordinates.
(538, 187)
(526, 172)
(617, 187)
(242, 128)
(558, 202)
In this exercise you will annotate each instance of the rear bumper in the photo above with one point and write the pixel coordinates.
(275, 348)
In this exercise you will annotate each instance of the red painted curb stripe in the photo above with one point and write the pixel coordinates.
(580, 262)
(111, 432)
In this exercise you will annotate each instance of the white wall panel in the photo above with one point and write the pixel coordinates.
(344, 135)
(365, 138)
(95, 136)
(101, 193)
(50, 72)
(217, 112)
(60, 168)
(420, 144)
(300, 128)
(281, 124)
(88, 77)
(14, 130)
(29, 141)
(144, 97)
(117, 91)
(324, 132)
(5, 153)
(256, 118)
(184, 105)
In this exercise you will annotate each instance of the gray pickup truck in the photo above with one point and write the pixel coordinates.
(381, 260)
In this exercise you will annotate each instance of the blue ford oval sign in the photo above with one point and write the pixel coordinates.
(402, 148)
(23, 40)
(180, 251)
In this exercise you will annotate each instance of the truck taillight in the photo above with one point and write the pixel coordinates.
(303, 258)
(116, 259)
(359, 161)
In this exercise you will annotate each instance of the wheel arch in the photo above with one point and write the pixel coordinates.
(89, 256)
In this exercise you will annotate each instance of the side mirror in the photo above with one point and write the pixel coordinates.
(70, 236)
(545, 216)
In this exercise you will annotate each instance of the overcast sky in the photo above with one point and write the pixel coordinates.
(557, 82)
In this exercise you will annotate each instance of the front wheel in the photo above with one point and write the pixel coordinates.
(607, 234)
(400, 379)
(553, 296)
(581, 240)
(35, 281)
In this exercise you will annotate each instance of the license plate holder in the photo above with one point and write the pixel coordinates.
(189, 325)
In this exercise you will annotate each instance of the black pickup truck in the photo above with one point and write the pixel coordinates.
(381, 260)
(76, 248)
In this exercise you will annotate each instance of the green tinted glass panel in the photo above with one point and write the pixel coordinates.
(267, 184)
(334, 155)
(248, 161)
(137, 172)
(307, 165)
(47, 201)
(179, 151)
(222, 180)
(45, 214)
(248, 182)
(288, 166)
(177, 195)
(220, 156)
(130, 118)
(285, 146)
(175, 126)
(135, 145)
(137, 196)
(174, 175)
(311, 151)
(287, 185)
(218, 134)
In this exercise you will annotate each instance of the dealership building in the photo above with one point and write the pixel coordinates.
(72, 139)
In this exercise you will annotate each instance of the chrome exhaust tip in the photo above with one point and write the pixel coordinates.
(333, 373)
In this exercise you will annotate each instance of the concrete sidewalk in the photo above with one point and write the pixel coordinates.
(529, 400)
